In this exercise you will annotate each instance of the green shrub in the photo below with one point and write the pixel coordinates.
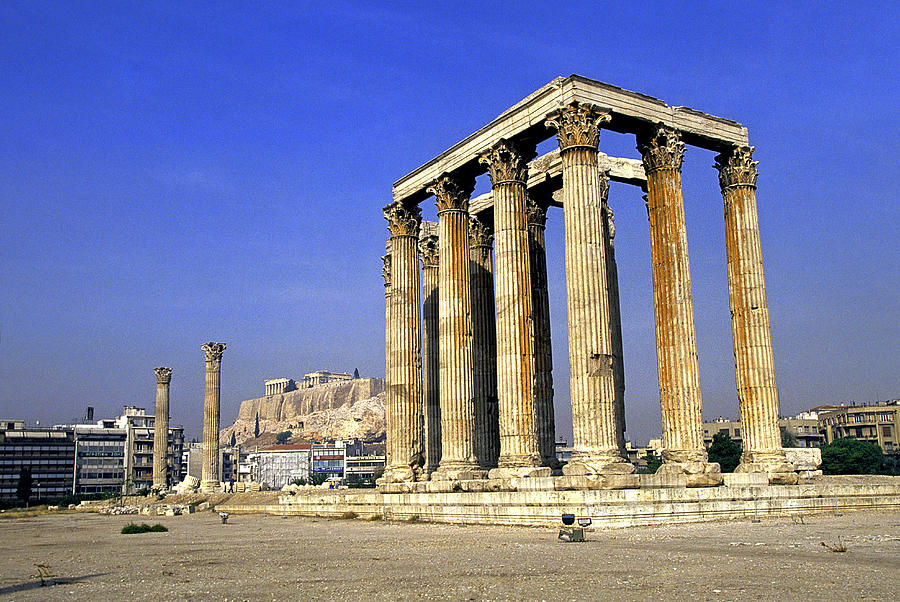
(132, 528)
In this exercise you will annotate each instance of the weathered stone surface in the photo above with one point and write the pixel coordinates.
(209, 477)
(161, 429)
(331, 411)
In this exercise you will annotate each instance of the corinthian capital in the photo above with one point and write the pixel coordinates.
(428, 250)
(535, 213)
(578, 125)
(662, 149)
(737, 167)
(506, 162)
(451, 194)
(402, 219)
(480, 233)
(213, 352)
(386, 269)
(163, 375)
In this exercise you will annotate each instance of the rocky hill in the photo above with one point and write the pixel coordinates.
(331, 411)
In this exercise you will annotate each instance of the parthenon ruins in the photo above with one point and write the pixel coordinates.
(468, 357)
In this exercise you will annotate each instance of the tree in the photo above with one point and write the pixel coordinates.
(233, 439)
(23, 490)
(788, 438)
(851, 456)
(653, 461)
(282, 437)
(256, 428)
(724, 451)
(356, 373)
(317, 478)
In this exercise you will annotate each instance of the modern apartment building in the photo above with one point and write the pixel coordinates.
(877, 423)
(49, 454)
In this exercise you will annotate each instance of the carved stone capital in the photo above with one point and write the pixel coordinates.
(402, 219)
(662, 149)
(578, 125)
(451, 194)
(737, 167)
(386, 269)
(213, 353)
(163, 375)
(506, 162)
(428, 250)
(535, 213)
(480, 233)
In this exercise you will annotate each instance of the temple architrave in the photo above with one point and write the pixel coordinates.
(469, 366)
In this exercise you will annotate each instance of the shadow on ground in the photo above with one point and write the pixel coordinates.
(51, 582)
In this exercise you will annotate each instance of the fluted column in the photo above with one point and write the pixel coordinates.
(484, 342)
(429, 254)
(591, 359)
(543, 353)
(457, 387)
(754, 360)
(161, 430)
(386, 274)
(676, 347)
(615, 312)
(210, 478)
(520, 454)
(403, 415)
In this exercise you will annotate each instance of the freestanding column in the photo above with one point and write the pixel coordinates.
(428, 253)
(676, 348)
(403, 414)
(457, 387)
(754, 361)
(591, 356)
(210, 478)
(543, 353)
(161, 430)
(520, 454)
(484, 342)
(615, 312)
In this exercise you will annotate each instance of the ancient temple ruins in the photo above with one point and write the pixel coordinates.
(468, 343)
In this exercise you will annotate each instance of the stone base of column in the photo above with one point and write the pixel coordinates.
(210, 487)
(401, 474)
(694, 465)
(772, 463)
(518, 472)
(597, 463)
(462, 473)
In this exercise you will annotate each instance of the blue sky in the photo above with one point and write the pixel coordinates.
(173, 173)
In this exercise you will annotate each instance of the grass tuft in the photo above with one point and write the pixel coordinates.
(132, 528)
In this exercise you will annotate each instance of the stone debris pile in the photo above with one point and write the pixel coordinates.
(116, 510)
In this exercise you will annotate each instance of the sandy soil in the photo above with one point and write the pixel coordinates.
(256, 557)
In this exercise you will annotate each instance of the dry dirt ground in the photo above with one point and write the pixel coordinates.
(257, 557)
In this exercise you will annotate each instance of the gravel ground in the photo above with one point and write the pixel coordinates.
(257, 557)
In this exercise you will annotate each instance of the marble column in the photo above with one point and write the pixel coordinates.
(386, 274)
(520, 454)
(484, 341)
(615, 312)
(591, 358)
(161, 430)
(210, 478)
(676, 348)
(457, 386)
(429, 255)
(403, 416)
(753, 357)
(543, 353)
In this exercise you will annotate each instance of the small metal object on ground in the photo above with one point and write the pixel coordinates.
(224, 516)
(571, 535)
